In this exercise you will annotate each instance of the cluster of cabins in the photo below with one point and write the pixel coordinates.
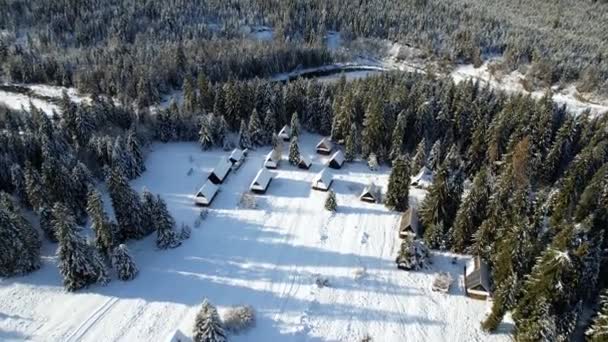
(476, 272)
(207, 192)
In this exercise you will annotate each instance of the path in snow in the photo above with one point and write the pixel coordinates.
(268, 257)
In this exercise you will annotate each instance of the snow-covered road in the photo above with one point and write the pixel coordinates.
(268, 257)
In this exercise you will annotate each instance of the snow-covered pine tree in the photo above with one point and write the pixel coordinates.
(397, 195)
(372, 162)
(373, 128)
(127, 206)
(207, 325)
(413, 254)
(270, 124)
(294, 151)
(434, 159)
(330, 202)
(81, 179)
(205, 134)
(100, 223)
(19, 188)
(166, 236)
(123, 263)
(46, 224)
(397, 138)
(294, 128)
(255, 129)
(148, 204)
(19, 241)
(598, 331)
(79, 264)
(134, 149)
(351, 148)
(419, 159)
(244, 139)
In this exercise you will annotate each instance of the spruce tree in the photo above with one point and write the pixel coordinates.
(434, 159)
(352, 144)
(123, 263)
(372, 162)
(166, 236)
(419, 159)
(397, 195)
(127, 206)
(79, 264)
(294, 128)
(20, 189)
(46, 224)
(294, 152)
(207, 325)
(100, 223)
(134, 150)
(19, 241)
(244, 139)
(598, 331)
(37, 193)
(255, 129)
(270, 125)
(205, 134)
(330, 202)
(472, 212)
(373, 128)
(397, 137)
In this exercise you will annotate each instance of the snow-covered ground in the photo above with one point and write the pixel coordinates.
(17, 100)
(267, 257)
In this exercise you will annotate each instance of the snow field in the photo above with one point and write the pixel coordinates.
(268, 258)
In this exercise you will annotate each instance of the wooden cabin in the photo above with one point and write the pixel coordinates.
(423, 179)
(237, 156)
(272, 160)
(337, 160)
(410, 226)
(477, 279)
(261, 181)
(221, 170)
(325, 146)
(371, 193)
(206, 194)
(323, 180)
(285, 133)
(304, 162)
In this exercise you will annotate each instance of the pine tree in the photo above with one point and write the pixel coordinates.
(472, 212)
(46, 224)
(205, 94)
(270, 125)
(20, 189)
(598, 331)
(397, 195)
(373, 129)
(255, 130)
(100, 223)
(134, 150)
(434, 159)
(166, 236)
(419, 159)
(79, 264)
(352, 144)
(127, 206)
(205, 134)
(37, 194)
(244, 139)
(372, 162)
(207, 325)
(397, 137)
(294, 152)
(294, 128)
(330, 202)
(19, 241)
(123, 263)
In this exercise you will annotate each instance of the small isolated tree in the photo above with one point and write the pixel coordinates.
(166, 236)
(255, 129)
(372, 162)
(413, 255)
(123, 263)
(294, 129)
(244, 138)
(330, 203)
(397, 196)
(238, 319)
(207, 325)
(294, 152)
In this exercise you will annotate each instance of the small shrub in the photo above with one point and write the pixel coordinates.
(185, 232)
(321, 282)
(201, 217)
(238, 319)
(247, 201)
(367, 338)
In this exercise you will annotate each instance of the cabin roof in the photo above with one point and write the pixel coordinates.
(222, 168)
(305, 160)
(236, 155)
(338, 157)
(409, 221)
(324, 177)
(370, 190)
(285, 131)
(208, 190)
(325, 143)
(478, 274)
(261, 180)
(273, 156)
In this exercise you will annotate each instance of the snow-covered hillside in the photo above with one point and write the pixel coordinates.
(267, 257)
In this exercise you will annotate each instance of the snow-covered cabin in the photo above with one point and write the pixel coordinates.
(237, 156)
(371, 193)
(410, 226)
(284, 133)
(272, 160)
(477, 279)
(261, 181)
(323, 180)
(206, 194)
(304, 162)
(337, 160)
(220, 171)
(325, 146)
(423, 179)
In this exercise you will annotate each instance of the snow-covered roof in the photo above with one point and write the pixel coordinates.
(236, 155)
(370, 192)
(206, 193)
(325, 145)
(222, 168)
(273, 155)
(305, 161)
(284, 132)
(337, 158)
(323, 179)
(261, 180)
(424, 178)
(409, 223)
(477, 276)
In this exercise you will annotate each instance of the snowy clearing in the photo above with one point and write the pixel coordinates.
(40, 97)
(268, 258)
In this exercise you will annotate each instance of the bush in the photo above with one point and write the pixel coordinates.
(247, 201)
(238, 319)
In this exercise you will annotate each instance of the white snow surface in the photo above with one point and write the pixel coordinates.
(17, 101)
(267, 257)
